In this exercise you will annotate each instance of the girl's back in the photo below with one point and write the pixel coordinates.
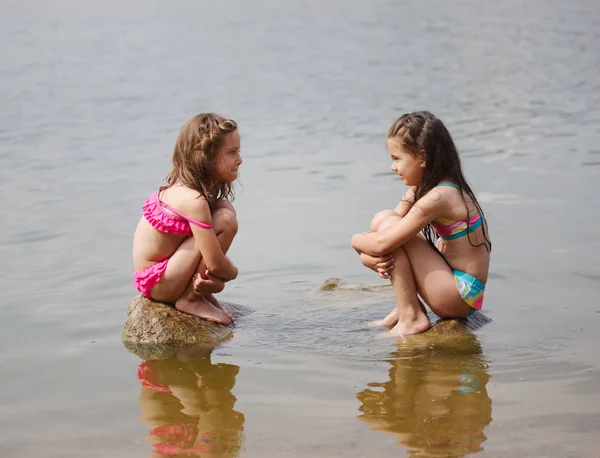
(151, 245)
(469, 251)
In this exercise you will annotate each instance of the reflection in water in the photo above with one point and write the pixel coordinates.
(187, 404)
(435, 402)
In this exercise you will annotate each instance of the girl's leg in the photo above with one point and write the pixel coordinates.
(419, 269)
(177, 284)
(193, 300)
(409, 315)
(435, 281)
(228, 221)
(379, 217)
(391, 319)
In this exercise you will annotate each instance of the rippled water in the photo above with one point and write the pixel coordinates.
(92, 98)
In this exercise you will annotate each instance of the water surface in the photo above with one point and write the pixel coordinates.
(92, 98)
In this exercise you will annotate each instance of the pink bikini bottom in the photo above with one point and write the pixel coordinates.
(146, 279)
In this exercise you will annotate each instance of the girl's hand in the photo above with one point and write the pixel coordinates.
(207, 283)
(383, 265)
(206, 274)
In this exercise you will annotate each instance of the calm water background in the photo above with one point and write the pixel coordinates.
(92, 97)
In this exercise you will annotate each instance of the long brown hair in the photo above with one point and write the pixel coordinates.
(195, 155)
(422, 132)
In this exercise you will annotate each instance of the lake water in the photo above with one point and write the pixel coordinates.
(92, 96)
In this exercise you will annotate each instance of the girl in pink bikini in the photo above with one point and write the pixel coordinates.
(181, 241)
(435, 243)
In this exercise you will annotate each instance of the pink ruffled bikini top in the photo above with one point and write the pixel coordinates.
(154, 212)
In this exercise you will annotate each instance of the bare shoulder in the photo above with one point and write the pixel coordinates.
(449, 202)
(437, 200)
(191, 203)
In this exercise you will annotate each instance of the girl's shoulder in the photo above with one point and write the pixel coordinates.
(445, 191)
(438, 200)
(180, 191)
(184, 197)
(451, 201)
(441, 192)
(452, 192)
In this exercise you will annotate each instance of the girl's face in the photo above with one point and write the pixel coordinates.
(228, 159)
(408, 167)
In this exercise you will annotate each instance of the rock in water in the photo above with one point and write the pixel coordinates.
(337, 284)
(330, 284)
(155, 330)
(448, 334)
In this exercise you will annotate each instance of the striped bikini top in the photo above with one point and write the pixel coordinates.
(448, 229)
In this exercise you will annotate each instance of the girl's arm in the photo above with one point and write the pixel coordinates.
(384, 242)
(402, 209)
(406, 203)
(207, 243)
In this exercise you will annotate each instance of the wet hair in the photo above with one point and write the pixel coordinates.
(195, 154)
(422, 133)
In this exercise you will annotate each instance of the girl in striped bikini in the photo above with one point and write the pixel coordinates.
(187, 226)
(435, 244)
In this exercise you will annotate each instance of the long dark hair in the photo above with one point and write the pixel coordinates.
(422, 132)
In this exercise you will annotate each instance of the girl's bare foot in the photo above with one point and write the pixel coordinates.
(200, 307)
(392, 318)
(213, 300)
(388, 321)
(408, 325)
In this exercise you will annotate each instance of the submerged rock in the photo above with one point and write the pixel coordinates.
(331, 284)
(337, 284)
(455, 334)
(473, 322)
(155, 330)
(442, 329)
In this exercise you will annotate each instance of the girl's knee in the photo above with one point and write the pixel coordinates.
(223, 204)
(389, 221)
(224, 220)
(379, 218)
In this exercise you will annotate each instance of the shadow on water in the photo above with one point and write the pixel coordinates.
(435, 401)
(187, 404)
